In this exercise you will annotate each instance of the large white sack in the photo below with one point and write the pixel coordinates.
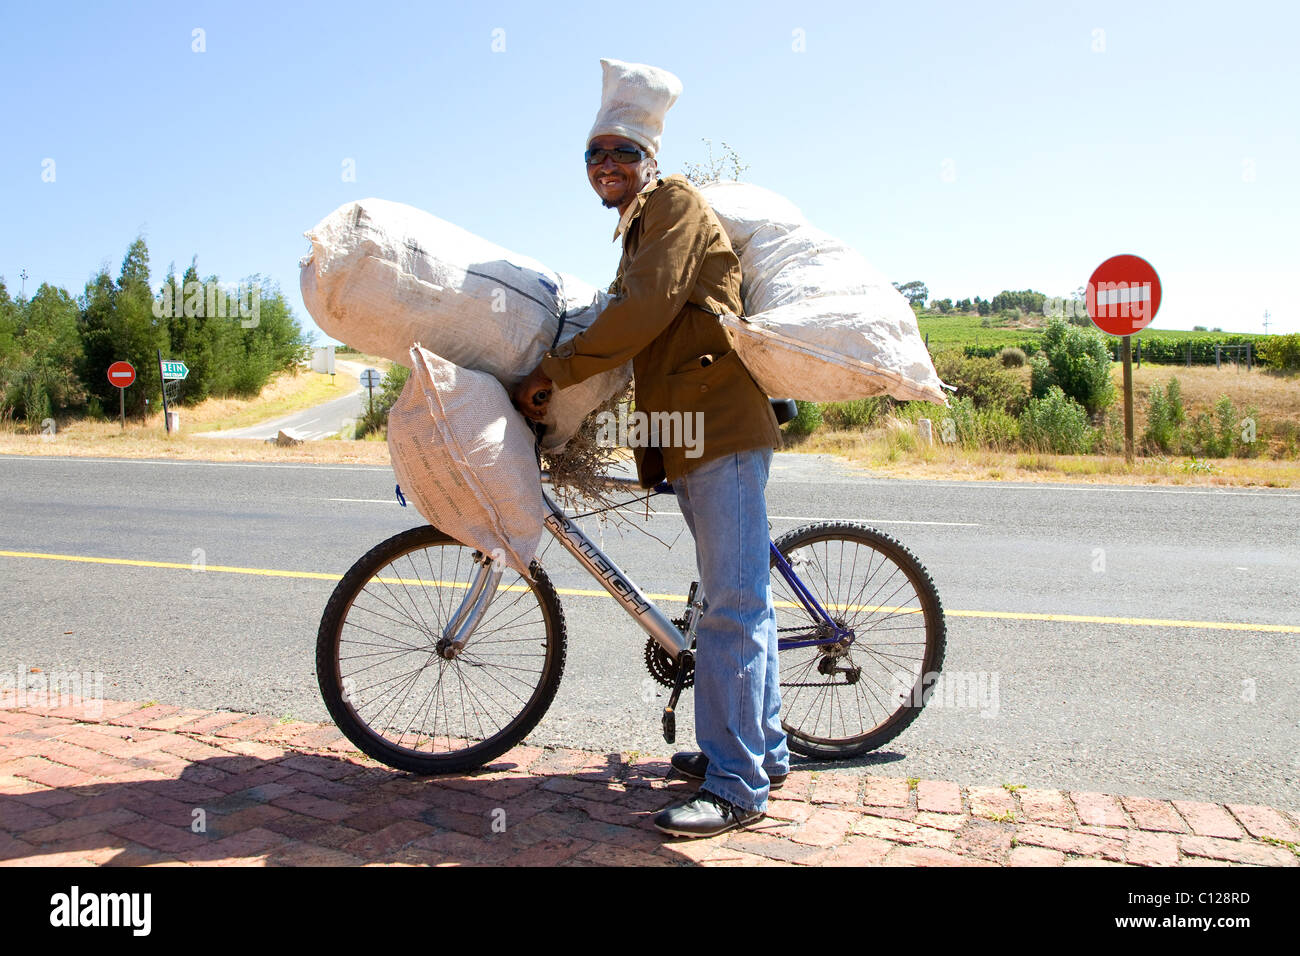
(463, 455)
(821, 323)
(382, 275)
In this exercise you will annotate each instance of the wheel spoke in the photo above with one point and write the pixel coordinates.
(386, 681)
(852, 695)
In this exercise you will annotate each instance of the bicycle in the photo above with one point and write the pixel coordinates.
(451, 675)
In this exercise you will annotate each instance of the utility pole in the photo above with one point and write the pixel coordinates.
(1266, 321)
(23, 293)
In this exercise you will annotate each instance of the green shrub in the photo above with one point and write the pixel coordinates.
(984, 380)
(1078, 362)
(1280, 351)
(1012, 357)
(1056, 423)
(374, 418)
(1165, 417)
(858, 413)
(806, 422)
(966, 424)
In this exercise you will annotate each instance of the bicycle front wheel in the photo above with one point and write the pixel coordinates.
(850, 697)
(401, 701)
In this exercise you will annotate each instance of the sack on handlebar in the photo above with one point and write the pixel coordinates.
(381, 275)
(822, 324)
(464, 457)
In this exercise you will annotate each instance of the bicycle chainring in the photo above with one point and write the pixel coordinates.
(662, 667)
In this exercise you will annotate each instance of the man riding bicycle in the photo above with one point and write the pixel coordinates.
(678, 272)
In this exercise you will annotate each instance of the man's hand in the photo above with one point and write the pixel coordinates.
(533, 395)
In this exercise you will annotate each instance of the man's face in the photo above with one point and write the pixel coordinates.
(617, 183)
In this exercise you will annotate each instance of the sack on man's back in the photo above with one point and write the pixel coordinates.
(821, 323)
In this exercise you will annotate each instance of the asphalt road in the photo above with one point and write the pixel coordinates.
(1172, 710)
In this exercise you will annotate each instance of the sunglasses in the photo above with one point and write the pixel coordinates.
(623, 155)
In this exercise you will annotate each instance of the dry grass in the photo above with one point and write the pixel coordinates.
(894, 450)
(107, 440)
(896, 454)
(286, 393)
(1276, 396)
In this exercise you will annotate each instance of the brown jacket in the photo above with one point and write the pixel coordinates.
(677, 274)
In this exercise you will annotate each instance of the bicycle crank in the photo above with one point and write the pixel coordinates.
(685, 665)
(662, 667)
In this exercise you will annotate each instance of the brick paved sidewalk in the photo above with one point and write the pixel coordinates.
(125, 783)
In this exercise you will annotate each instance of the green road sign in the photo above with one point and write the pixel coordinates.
(174, 370)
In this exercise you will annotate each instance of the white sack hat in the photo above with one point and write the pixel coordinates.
(633, 100)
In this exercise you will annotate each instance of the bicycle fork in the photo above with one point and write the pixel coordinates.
(482, 589)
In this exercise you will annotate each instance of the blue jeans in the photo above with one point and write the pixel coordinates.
(737, 690)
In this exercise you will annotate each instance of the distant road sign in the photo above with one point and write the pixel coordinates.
(121, 374)
(174, 370)
(1123, 295)
(370, 378)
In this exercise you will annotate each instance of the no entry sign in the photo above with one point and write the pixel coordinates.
(121, 374)
(1123, 295)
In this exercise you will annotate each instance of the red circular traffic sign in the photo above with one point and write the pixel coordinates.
(121, 374)
(1123, 295)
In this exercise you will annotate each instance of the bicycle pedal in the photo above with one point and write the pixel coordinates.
(685, 663)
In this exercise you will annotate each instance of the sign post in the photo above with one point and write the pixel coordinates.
(1123, 296)
(121, 374)
(169, 371)
(370, 378)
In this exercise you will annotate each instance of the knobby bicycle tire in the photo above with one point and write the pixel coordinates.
(839, 703)
(402, 703)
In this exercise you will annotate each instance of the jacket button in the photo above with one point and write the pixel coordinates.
(704, 388)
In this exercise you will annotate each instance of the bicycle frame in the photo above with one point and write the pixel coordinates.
(639, 607)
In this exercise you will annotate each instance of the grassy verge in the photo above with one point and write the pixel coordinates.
(107, 440)
(283, 395)
(896, 454)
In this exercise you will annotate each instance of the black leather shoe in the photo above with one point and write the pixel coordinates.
(704, 815)
(693, 764)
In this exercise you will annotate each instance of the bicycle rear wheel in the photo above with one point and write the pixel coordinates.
(396, 697)
(849, 698)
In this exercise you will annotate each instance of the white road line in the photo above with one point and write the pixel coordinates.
(677, 514)
(982, 485)
(210, 464)
(1003, 486)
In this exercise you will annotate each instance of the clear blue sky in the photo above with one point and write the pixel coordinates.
(973, 146)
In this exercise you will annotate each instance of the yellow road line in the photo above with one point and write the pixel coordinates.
(678, 598)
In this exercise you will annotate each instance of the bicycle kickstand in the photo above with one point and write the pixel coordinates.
(685, 665)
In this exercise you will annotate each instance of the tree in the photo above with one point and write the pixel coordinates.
(96, 319)
(137, 335)
(47, 354)
(915, 291)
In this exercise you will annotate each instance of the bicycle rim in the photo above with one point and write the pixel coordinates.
(840, 701)
(400, 700)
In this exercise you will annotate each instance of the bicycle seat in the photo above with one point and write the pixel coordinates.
(785, 409)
